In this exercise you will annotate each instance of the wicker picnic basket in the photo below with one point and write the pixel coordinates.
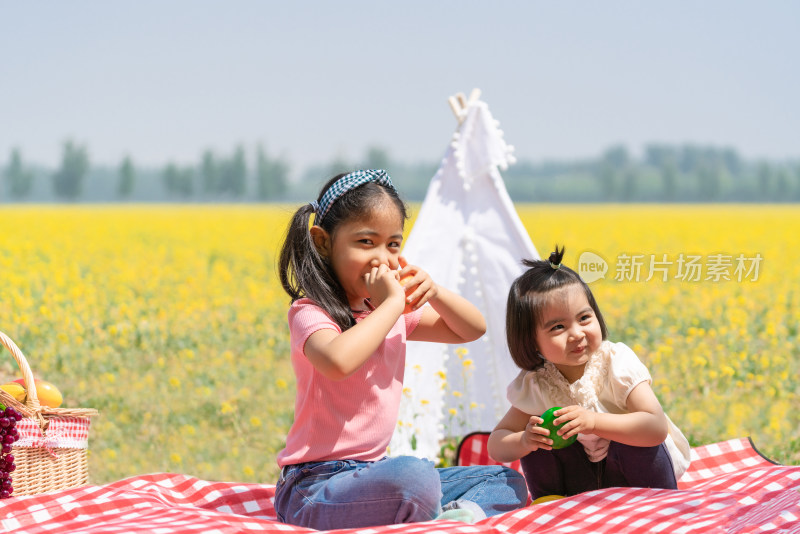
(52, 451)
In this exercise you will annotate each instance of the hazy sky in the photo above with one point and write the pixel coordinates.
(163, 80)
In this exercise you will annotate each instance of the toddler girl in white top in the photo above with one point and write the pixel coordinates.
(557, 336)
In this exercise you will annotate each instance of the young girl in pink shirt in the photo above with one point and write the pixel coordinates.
(349, 321)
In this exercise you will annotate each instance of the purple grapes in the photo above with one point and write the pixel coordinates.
(8, 436)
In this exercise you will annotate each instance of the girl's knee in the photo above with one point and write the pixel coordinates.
(416, 479)
(649, 467)
(414, 469)
(615, 447)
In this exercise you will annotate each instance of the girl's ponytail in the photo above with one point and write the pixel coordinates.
(295, 252)
(305, 273)
(555, 258)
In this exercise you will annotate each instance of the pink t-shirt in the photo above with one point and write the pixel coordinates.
(354, 418)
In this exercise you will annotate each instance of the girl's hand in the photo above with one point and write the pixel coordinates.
(534, 436)
(424, 287)
(382, 285)
(645, 424)
(516, 435)
(577, 419)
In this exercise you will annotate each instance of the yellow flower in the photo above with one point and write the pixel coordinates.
(697, 417)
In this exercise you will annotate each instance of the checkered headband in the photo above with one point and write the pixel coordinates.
(347, 183)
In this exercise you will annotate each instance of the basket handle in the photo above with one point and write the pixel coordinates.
(32, 400)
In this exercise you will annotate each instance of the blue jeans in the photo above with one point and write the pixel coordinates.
(352, 494)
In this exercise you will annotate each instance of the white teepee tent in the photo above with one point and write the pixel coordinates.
(469, 238)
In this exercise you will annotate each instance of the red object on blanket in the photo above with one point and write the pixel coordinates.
(729, 487)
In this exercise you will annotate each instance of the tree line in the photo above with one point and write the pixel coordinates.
(215, 177)
(662, 173)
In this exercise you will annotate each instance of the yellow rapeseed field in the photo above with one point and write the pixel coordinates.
(170, 320)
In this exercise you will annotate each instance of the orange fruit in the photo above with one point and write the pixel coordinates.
(47, 393)
(403, 281)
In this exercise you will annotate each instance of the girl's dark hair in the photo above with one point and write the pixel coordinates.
(527, 298)
(303, 271)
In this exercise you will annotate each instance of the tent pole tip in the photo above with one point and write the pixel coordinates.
(474, 95)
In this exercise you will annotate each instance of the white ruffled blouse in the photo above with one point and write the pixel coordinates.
(608, 378)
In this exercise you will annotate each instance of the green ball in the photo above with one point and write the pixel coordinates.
(558, 441)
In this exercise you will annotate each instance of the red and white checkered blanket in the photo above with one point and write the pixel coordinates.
(729, 487)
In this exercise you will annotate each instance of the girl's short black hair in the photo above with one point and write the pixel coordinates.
(303, 271)
(527, 299)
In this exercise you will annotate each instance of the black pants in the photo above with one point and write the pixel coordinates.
(569, 471)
